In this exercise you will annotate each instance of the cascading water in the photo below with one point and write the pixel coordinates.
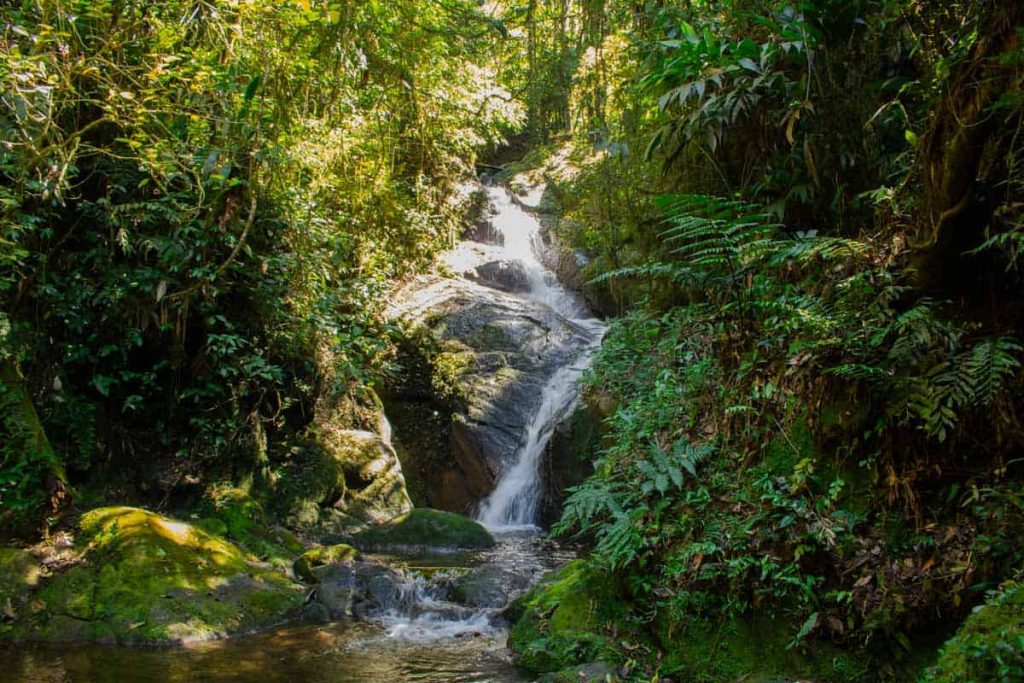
(514, 501)
(418, 628)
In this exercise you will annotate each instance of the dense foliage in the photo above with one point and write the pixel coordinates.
(202, 203)
(811, 211)
(807, 216)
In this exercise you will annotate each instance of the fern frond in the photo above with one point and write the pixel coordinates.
(675, 272)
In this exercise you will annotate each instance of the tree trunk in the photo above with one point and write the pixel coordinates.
(964, 142)
(34, 445)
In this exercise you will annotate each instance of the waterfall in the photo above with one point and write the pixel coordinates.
(515, 499)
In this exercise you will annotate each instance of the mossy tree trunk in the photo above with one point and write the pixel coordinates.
(964, 150)
(28, 452)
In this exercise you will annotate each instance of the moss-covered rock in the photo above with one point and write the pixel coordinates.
(321, 556)
(342, 480)
(989, 646)
(425, 528)
(562, 621)
(234, 513)
(147, 578)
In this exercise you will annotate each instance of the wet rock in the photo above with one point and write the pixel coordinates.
(341, 480)
(508, 276)
(425, 529)
(488, 587)
(150, 579)
(321, 556)
(362, 590)
(336, 590)
(568, 458)
(495, 353)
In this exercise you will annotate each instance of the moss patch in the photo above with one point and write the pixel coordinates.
(563, 621)
(754, 648)
(990, 644)
(147, 578)
(425, 528)
(233, 513)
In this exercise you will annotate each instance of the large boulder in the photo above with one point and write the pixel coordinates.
(149, 579)
(570, 618)
(493, 354)
(424, 529)
(340, 480)
(508, 276)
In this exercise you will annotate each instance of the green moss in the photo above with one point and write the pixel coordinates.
(989, 646)
(448, 368)
(147, 578)
(787, 449)
(234, 513)
(424, 527)
(318, 557)
(339, 481)
(562, 621)
(492, 338)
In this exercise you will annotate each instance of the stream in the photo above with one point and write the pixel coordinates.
(422, 633)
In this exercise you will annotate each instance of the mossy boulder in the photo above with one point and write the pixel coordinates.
(342, 480)
(322, 556)
(487, 586)
(989, 646)
(562, 621)
(234, 513)
(484, 356)
(150, 579)
(425, 528)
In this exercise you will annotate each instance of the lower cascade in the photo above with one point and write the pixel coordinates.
(422, 610)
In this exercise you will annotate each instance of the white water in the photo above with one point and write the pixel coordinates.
(514, 501)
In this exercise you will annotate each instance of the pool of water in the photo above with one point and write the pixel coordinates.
(427, 641)
(338, 653)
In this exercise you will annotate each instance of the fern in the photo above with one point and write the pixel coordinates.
(990, 363)
(674, 272)
(665, 469)
(972, 378)
(588, 504)
(712, 233)
(621, 541)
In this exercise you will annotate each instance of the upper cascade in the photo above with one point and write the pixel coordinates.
(516, 497)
